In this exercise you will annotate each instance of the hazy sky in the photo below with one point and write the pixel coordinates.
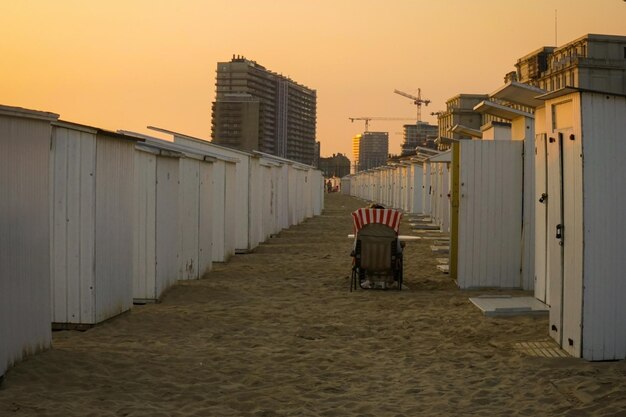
(126, 64)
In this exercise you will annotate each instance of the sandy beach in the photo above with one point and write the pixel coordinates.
(277, 333)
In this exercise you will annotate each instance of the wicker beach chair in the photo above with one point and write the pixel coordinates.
(377, 254)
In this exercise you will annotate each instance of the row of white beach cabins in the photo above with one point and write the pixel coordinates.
(539, 205)
(94, 220)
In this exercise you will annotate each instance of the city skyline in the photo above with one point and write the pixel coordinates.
(127, 65)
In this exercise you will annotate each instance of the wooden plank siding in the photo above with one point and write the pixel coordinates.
(24, 234)
(490, 214)
(603, 205)
(73, 230)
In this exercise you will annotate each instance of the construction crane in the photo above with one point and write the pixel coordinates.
(418, 101)
(367, 120)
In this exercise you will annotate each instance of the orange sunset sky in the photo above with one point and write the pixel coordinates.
(126, 64)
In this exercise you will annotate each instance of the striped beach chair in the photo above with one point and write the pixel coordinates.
(377, 253)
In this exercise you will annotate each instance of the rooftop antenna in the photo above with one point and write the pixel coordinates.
(556, 43)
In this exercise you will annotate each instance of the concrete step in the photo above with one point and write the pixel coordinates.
(440, 249)
(425, 226)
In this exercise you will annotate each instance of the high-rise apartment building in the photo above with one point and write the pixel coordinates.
(419, 134)
(594, 62)
(356, 142)
(373, 150)
(257, 109)
(316, 154)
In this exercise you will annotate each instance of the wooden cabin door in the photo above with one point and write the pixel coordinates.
(564, 265)
(572, 241)
(490, 214)
(554, 232)
(541, 218)
(564, 227)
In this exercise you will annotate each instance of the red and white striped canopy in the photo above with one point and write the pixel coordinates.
(364, 216)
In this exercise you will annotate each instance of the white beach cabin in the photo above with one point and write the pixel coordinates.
(197, 217)
(414, 185)
(226, 200)
(92, 218)
(523, 128)
(346, 185)
(240, 189)
(585, 233)
(156, 244)
(486, 221)
(493, 240)
(24, 233)
(440, 189)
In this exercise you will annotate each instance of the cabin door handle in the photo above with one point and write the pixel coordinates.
(559, 231)
(543, 197)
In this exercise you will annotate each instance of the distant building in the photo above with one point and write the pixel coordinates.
(256, 109)
(316, 154)
(356, 142)
(419, 134)
(594, 62)
(373, 149)
(236, 122)
(459, 112)
(335, 166)
(530, 67)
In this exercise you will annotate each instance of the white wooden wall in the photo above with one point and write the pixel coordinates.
(166, 225)
(230, 214)
(585, 289)
(317, 185)
(346, 186)
(374, 185)
(283, 197)
(155, 232)
(267, 201)
(490, 214)
(434, 193)
(114, 226)
(426, 188)
(440, 202)
(255, 198)
(73, 228)
(206, 220)
(293, 195)
(604, 202)
(219, 192)
(242, 175)
(144, 229)
(407, 189)
(300, 192)
(188, 216)
(92, 225)
(24, 235)
(308, 194)
(417, 189)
